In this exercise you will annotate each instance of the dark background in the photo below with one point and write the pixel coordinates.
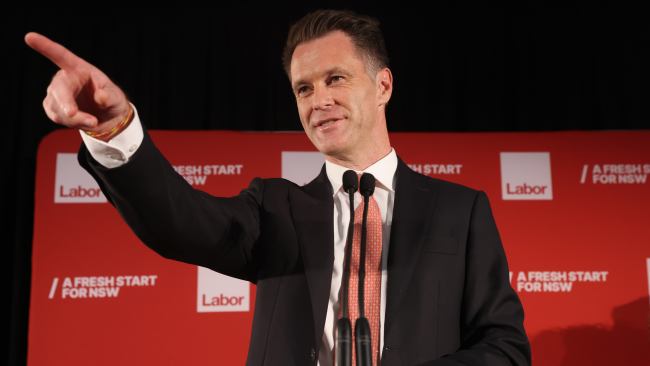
(533, 68)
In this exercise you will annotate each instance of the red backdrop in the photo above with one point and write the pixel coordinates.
(571, 207)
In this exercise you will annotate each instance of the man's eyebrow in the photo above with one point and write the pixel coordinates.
(298, 83)
(333, 70)
(337, 70)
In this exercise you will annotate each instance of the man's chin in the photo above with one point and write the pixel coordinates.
(331, 146)
(329, 150)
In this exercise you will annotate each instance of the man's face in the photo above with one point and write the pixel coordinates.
(338, 100)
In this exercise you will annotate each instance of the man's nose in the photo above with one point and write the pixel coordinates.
(322, 98)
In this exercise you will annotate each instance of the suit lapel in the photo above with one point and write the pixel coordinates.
(313, 214)
(312, 211)
(413, 207)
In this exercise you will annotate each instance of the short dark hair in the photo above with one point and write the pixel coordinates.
(362, 29)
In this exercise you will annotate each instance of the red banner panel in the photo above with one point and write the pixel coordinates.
(571, 207)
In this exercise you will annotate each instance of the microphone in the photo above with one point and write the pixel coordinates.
(343, 342)
(362, 335)
(350, 185)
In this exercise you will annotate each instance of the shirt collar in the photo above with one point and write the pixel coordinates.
(383, 170)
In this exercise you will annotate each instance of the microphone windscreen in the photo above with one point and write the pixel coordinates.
(367, 184)
(350, 182)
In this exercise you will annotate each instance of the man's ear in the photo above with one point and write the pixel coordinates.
(384, 82)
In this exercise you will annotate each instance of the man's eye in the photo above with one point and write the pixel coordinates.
(302, 90)
(336, 78)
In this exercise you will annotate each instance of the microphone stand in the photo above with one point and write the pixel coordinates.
(343, 342)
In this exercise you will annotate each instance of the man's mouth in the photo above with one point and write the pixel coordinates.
(326, 122)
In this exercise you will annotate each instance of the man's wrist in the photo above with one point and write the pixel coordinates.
(120, 148)
(119, 127)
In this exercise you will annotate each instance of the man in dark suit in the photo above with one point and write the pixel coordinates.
(443, 290)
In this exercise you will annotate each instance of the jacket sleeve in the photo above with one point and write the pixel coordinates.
(492, 331)
(176, 220)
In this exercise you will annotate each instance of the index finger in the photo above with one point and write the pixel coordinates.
(55, 52)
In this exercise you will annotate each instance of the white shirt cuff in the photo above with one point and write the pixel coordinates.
(118, 150)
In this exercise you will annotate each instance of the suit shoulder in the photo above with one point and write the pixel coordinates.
(447, 186)
(272, 186)
(278, 183)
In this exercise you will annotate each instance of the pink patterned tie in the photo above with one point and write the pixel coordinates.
(372, 288)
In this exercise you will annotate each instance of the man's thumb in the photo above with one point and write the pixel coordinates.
(101, 98)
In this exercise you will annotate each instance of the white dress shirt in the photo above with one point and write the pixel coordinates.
(384, 172)
(119, 150)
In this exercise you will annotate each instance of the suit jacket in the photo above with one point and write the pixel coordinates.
(449, 300)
